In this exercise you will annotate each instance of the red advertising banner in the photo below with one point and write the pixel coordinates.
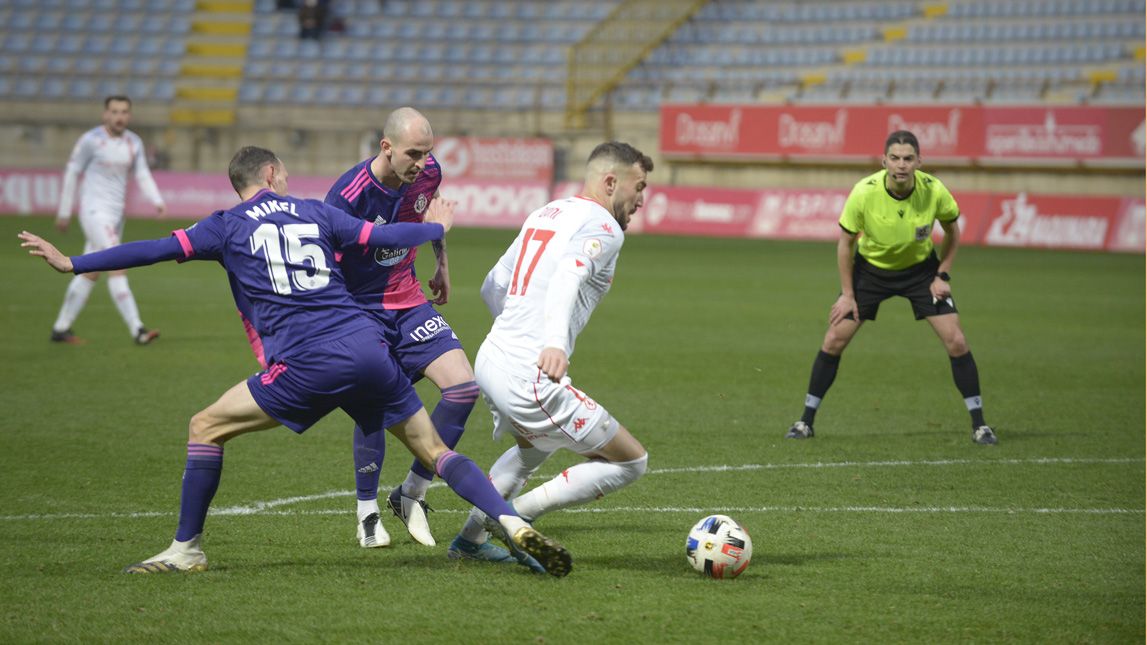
(495, 158)
(966, 133)
(1056, 221)
(992, 219)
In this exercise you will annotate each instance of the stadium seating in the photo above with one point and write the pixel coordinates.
(495, 55)
(77, 50)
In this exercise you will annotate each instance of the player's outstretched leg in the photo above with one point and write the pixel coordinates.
(508, 475)
(200, 481)
(407, 501)
(235, 413)
(463, 549)
(470, 483)
(368, 455)
(580, 484)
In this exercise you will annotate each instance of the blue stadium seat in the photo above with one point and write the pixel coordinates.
(276, 92)
(48, 21)
(140, 89)
(308, 71)
(117, 66)
(328, 94)
(250, 92)
(32, 64)
(303, 93)
(352, 95)
(44, 43)
(26, 87)
(123, 46)
(57, 65)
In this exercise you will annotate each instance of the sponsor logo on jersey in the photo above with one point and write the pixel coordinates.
(592, 248)
(922, 232)
(429, 329)
(390, 257)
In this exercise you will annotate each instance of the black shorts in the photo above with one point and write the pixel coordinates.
(874, 285)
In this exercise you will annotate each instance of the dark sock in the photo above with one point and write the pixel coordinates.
(823, 374)
(449, 418)
(200, 481)
(368, 453)
(471, 484)
(967, 378)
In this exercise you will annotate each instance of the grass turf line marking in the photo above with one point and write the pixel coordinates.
(259, 506)
(631, 509)
(266, 508)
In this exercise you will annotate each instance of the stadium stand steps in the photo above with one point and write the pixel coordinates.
(211, 73)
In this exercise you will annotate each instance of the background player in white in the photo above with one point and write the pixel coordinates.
(542, 292)
(105, 156)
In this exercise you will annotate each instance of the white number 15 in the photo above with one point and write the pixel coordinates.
(274, 240)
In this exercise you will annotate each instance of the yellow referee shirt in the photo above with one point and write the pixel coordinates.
(896, 233)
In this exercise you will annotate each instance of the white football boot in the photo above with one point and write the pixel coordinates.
(180, 556)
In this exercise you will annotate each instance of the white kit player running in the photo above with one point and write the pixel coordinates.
(105, 156)
(542, 292)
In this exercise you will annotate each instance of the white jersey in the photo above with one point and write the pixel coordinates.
(105, 162)
(546, 285)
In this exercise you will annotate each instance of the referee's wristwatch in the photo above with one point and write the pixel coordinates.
(943, 275)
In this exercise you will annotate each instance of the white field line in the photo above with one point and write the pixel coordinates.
(268, 507)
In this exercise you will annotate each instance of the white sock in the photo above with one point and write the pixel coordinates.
(508, 475)
(74, 300)
(125, 302)
(580, 484)
(366, 507)
(415, 486)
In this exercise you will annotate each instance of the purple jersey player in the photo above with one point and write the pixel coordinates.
(398, 185)
(323, 352)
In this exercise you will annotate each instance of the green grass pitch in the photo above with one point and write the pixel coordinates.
(890, 526)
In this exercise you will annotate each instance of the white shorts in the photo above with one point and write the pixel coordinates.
(100, 231)
(549, 415)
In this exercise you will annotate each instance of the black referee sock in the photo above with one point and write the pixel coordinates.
(823, 374)
(967, 378)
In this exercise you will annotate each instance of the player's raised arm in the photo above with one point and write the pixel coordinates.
(124, 256)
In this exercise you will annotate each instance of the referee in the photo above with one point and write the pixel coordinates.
(895, 209)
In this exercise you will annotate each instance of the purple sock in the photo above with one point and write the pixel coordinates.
(471, 484)
(200, 481)
(368, 452)
(449, 419)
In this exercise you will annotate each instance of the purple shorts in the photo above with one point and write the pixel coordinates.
(416, 336)
(355, 373)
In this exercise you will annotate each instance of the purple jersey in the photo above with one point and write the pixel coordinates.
(384, 278)
(279, 252)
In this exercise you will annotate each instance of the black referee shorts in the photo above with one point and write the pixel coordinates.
(874, 285)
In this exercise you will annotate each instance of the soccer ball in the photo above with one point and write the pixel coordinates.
(718, 547)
